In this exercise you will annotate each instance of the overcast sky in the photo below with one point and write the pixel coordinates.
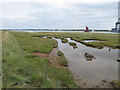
(96, 14)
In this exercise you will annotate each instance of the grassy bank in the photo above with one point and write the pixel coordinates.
(106, 39)
(22, 69)
(62, 59)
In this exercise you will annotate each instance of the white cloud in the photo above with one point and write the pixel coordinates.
(62, 1)
(99, 14)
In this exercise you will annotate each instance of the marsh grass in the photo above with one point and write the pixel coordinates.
(116, 83)
(72, 44)
(49, 37)
(106, 39)
(32, 44)
(62, 59)
(61, 38)
(59, 53)
(22, 69)
(64, 40)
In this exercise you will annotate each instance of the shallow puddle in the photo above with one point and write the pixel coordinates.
(91, 40)
(44, 36)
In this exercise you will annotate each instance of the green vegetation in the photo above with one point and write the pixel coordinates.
(61, 38)
(64, 40)
(22, 69)
(62, 59)
(49, 37)
(72, 43)
(34, 44)
(59, 53)
(116, 83)
(107, 39)
(94, 44)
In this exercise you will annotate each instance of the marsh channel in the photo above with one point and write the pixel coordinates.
(97, 72)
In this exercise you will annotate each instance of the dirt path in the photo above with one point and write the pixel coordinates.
(52, 56)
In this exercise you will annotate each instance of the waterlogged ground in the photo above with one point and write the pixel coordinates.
(98, 72)
(31, 60)
(103, 39)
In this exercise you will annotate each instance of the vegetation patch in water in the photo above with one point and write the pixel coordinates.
(72, 43)
(75, 47)
(59, 53)
(89, 57)
(64, 40)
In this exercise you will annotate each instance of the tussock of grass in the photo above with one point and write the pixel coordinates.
(62, 59)
(72, 43)
(64, 40)
(59, 53)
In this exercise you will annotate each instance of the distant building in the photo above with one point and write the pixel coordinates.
(117, 25)
(87, 29)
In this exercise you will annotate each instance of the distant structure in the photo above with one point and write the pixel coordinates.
(87, 29)
(117, 25)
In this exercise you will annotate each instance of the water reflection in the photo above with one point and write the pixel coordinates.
(91, 40)
(44, 36)
(102, 63)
